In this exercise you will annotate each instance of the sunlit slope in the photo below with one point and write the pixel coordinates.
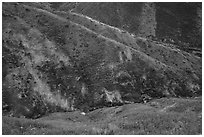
(163, 116)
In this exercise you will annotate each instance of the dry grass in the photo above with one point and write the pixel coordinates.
(182, 118)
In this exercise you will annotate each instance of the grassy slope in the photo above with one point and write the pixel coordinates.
(165, 54)
(162, 116)
(169, 57)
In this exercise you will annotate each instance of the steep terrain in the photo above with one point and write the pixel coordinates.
(55, 61)
(138, 18)
(178, 23)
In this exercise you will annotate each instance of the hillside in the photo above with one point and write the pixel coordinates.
(173, 22)
(163, 116)
(66, 62)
